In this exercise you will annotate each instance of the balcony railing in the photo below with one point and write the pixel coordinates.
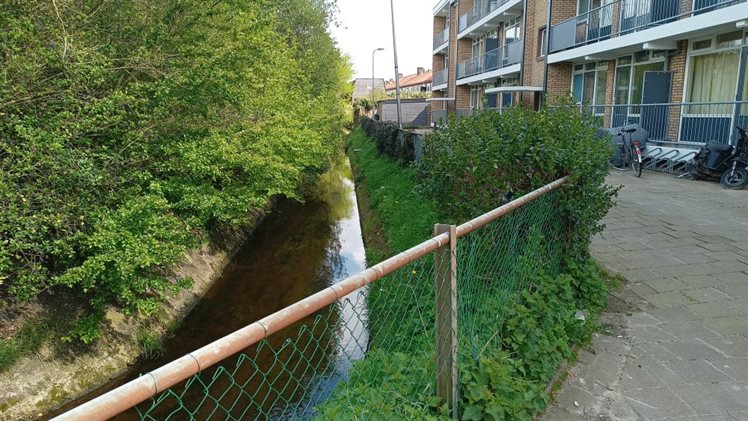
(696, 122)
(621, 17)
(439, 78)
(495, 59)
(441, 38)
(481, 9)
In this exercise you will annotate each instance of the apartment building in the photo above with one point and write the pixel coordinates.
(677, 67)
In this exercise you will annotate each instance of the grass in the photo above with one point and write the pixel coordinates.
(27, 340)
(151, 343)
(395, 212)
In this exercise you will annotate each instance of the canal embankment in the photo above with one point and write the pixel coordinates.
(55, 373)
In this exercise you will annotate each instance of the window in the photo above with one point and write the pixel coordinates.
(713, 77)
(511, 31)
(542, 48)
(477, 47)
(712, 73)
(475, 97)
(629, 84)
(589, 84)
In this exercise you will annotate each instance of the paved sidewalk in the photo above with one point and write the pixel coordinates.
(676, 341)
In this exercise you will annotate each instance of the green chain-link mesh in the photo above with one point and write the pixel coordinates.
(372, 354)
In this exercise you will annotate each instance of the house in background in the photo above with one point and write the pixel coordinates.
(677, 67)
(416, 83)
(364, 87)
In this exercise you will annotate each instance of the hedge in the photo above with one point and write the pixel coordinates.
(397, 144)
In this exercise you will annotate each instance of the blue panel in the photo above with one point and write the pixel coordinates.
(577, 86)
(704, 129)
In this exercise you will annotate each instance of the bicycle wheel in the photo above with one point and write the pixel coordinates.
(636, 166)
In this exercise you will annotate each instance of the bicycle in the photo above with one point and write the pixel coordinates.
(632, 154)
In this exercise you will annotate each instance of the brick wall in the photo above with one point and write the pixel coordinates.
(533, 66)
(463, 97)
(465, 6)
(452, 51)
(563, 10)
(437, 63)
(439, 24)
(678, 67)
(559, 80)
(609, 91)
(464, 49)
(437, 105)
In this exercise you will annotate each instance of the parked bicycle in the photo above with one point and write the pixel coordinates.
(632, 154)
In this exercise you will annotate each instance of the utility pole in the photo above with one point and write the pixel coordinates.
(397, 70)
(372, 74)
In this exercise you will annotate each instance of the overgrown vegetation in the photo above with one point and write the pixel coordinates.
(470, 164)
(397, 144)
(538, 292)
(131, 131)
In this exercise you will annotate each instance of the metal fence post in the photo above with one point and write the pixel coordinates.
(445, 268)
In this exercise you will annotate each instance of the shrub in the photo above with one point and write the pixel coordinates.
(468, 166)
(398, 145)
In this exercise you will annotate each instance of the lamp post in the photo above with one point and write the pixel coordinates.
(397, 72)
(372, 73)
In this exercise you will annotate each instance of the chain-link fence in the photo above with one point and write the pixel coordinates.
(388, 343)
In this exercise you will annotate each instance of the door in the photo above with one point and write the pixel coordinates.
(741, 108)
(656, 90)
(492, 101)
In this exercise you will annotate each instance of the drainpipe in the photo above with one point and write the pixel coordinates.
(547, 50)
(454, 62)
(524, 42)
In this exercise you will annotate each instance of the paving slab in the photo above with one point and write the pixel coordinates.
(680, 344)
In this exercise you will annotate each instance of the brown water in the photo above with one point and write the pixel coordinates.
(298, 250)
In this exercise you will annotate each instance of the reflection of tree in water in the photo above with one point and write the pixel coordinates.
(334, 268)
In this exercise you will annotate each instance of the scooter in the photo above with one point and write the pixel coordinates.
(729, 163)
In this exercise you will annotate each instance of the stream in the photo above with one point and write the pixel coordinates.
(299, 249)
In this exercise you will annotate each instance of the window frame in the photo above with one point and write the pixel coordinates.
(599, 66)
(542, 46)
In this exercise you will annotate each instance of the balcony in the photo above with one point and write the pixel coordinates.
(440, 39)
(488, 10)
(623, 17)
(439, 78)
(499, 58)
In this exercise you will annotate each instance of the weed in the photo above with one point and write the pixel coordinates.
(151, 343)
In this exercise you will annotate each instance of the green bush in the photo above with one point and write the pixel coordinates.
(131, 131)
(397, 144)
(468, 166)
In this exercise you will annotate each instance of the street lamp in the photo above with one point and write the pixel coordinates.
(372, 73)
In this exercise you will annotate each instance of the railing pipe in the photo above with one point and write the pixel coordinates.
(493, 215)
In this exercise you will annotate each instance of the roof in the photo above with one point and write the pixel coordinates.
(362, 87)
(411, 80)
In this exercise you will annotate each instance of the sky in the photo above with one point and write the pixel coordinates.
(366, 25)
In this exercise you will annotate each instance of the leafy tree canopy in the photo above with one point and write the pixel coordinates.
(129, 130)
